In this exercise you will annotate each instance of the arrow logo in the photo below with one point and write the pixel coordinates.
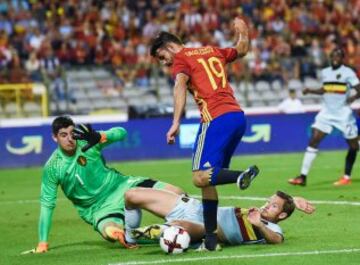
(261, 132)
(31, 143)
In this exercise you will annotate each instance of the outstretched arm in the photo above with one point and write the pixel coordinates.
(356, 96)
(44, 229)
(319, 91)
(47, 201)
(87, 133)
(304, 205)
(242, 37)
(179, 106)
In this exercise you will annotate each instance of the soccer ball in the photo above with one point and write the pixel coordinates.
(174, 240)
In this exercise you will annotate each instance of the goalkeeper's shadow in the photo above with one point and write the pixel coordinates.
(100, 244)
(81, 243)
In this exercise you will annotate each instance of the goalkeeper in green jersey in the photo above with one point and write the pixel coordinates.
(96, 191)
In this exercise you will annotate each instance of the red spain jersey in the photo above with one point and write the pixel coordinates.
(208, 82)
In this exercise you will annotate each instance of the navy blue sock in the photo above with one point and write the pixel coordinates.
(222, 176)
(210, 222)
(350, 160)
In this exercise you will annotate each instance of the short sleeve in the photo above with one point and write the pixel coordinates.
(230, 54)
(179, 66)
(353, 80)
(275, 228)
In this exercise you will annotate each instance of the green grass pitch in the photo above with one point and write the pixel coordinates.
(333, 231)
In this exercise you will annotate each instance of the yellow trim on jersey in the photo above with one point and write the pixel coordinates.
(203, 106)
(335, 88)
(204, 111)
(249, 228)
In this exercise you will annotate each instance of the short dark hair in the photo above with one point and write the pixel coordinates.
(338, 49)
(61, 122)
(289, 205)
(162, 39)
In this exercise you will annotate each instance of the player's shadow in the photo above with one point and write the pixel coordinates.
(80, 243)
(103, 245)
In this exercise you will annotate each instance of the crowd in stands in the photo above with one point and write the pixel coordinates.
(289, 38)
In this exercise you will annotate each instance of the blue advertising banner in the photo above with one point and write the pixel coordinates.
(270, 133)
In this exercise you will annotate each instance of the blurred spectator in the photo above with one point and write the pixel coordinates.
(289, 39)
(193, 20)
(80, 52)
(16, 73)
(193, 42)
(151, 27)
(316, 53)
(64, 54)
(5, 56)
(51, 71)
(5, 25)
(36, 38)
(291, 104)
(32, 66)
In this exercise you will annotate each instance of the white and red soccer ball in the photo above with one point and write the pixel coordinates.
(174, 240)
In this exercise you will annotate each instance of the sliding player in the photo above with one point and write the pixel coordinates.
(96, 190)
(235, 226)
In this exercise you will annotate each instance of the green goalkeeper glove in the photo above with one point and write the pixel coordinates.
(87, 133)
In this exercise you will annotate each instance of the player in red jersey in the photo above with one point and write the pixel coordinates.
(201, 71)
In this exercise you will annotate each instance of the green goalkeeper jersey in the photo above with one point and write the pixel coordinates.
(94, 189)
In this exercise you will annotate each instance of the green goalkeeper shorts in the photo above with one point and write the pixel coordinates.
(112, 210)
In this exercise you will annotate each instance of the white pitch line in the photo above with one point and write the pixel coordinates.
(245, 256)
(250, 198)
(240, 198)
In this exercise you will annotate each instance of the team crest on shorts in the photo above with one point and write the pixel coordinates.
(338, 76)
(82, 160)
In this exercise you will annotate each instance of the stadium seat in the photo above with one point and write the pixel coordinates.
(95, 94)
(79, 94)
(166, 99)
(276, 85)
(32, 108)
(257, 103)
(240, 97)
(164, 90)
(253, 95)
(10, 109)
(295, 84)
(117, 103)
(262, 86)
(283, 93)
(270, 95)
(132, 92)
(312, 83)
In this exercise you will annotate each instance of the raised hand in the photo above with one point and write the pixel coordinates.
(87, 133)
(254, 216)
(240, 25)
